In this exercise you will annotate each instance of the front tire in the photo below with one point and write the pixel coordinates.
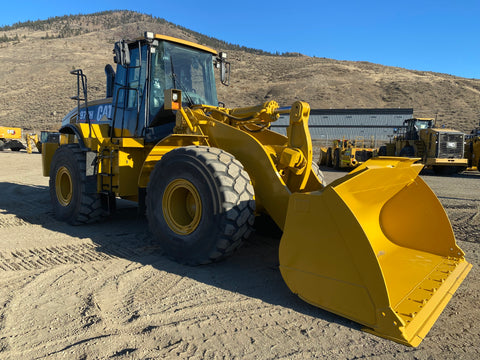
(382, 151)
(407, 151)
(73, 193)
(16, 145)
(200, 204)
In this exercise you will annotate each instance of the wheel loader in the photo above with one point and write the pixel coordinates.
(347, 153)
(10, 138)
(440, 149)
(202, 172)
(472, 149)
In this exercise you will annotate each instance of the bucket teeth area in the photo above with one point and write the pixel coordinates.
(363, 255)
(424, 292)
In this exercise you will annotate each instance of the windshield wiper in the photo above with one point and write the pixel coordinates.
(177, 81)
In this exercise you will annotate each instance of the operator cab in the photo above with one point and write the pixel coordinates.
(151, 65)
(413, 126)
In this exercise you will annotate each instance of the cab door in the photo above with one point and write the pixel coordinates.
(129, 94)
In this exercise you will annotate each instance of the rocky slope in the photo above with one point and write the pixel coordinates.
(36, 86)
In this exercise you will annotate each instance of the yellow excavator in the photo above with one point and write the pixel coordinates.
(203, 172)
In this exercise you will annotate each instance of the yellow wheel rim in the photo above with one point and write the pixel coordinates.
(182, 206)
(63, 186)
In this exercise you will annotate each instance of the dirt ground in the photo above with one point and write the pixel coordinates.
(103, 292)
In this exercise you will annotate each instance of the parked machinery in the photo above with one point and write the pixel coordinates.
(346, 153)
(472, 149)
(438, 148)
(10, 138)
(203, 171)
(32, 139)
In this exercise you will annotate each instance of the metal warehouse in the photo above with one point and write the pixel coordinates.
(326, 125)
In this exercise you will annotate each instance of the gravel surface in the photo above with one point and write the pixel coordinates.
(102, 291)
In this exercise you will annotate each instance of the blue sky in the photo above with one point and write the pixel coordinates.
(441, 36)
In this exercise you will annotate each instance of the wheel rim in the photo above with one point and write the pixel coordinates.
(182, 206)
(63, 186)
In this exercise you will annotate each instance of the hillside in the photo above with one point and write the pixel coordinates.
(36, 58)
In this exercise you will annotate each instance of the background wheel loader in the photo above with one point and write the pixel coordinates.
(439, 149)
(203, 172)
(346, 153)
(472, 149)
(10, 138)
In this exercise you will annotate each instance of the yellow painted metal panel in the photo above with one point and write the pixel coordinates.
(132, 142)
(161, 148)
(48, 149)
(185, 42)
(130, 161)
(358, 249)
(10, 132)
(446, 162)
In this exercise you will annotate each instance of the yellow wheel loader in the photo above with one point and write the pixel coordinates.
(347, 153)
(440, 149)
(203, 172)
(10, 138)
(472, 149)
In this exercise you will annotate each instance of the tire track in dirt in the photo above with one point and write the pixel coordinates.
(117, 297)
(188, 318)
(11, 284)
(465, 220)
(38, 258)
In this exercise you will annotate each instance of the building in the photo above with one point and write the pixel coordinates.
(378, 125)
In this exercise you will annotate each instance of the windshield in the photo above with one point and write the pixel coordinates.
(423, 124)
(179, 67)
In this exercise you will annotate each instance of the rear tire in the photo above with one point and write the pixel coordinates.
(337, 159)
(200, 204)
(329, 157)
(73, 193)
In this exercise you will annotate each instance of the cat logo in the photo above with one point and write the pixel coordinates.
(104, 112)
(100, 113)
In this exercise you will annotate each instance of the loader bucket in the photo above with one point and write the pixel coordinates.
(375, 246)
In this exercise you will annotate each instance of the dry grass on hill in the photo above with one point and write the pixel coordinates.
(36, 85)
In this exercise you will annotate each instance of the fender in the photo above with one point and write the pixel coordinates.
(162, 147)
(73, 130)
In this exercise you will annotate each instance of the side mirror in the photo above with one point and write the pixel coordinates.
(122, 54)
(224, 68)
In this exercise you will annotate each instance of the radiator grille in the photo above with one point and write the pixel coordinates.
(450, 146)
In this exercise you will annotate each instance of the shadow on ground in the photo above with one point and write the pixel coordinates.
(251, 271)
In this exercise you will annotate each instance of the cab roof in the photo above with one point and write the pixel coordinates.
(185, 42)
(174, 40)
